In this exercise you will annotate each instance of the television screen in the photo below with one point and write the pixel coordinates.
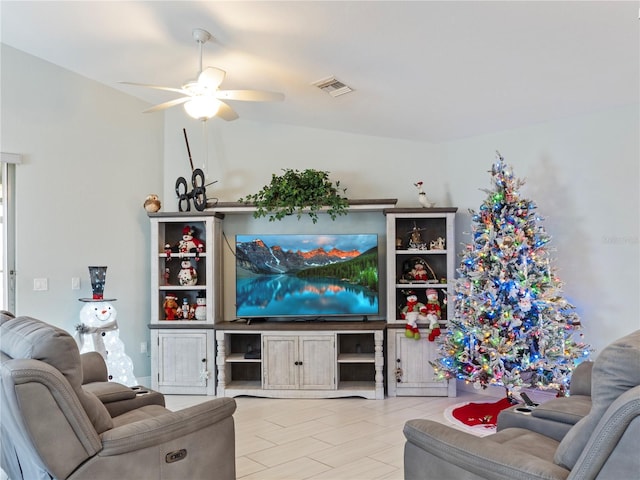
(296, 275)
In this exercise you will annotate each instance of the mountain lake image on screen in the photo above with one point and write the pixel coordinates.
(306, 276)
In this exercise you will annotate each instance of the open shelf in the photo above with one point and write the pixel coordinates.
(356, 358)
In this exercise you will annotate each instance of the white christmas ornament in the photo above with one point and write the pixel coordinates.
(98, 331)
(422, 196)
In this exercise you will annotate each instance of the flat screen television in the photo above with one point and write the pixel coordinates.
(306, 276)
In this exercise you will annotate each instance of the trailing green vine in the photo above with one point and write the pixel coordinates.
(299, 192)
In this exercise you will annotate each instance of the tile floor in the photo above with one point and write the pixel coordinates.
(334, 439)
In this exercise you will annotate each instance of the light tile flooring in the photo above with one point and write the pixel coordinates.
(334, 439)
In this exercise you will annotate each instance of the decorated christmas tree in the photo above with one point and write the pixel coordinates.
(511, 324)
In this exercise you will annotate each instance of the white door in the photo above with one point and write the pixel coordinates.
(280, 363)
(317, 362)
(7, 236)
(182, 358)
(414, 356)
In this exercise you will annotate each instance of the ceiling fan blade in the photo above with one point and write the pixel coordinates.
(211, 77)
(226, 112)
(170, 103)
(157, 87)
(250, 95)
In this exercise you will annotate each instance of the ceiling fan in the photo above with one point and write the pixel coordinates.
(202, 99)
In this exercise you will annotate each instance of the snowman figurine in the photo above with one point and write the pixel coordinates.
(189, 243)
(98, 331)
(201, 308)
(187, 275)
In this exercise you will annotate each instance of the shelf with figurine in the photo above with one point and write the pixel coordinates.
(423, 298)
(183, 266)
(182, 281)
(190, 306)
(426, 236)
(416, 271)
(185, 272)
(423, 315)
(181, 239)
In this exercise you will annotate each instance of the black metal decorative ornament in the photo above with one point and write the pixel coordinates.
(199, 192)
(198, 195)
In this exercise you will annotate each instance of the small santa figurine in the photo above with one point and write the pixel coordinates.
(418, 273)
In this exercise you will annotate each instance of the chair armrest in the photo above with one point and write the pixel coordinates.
(581, 379)
(511, 418)
(611, 451)
(94, 369)
(108, 392)
(157, 430)
(568, 410)
(143, 397)
(32, 374)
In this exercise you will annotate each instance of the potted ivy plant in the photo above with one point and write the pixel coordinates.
(299, 192)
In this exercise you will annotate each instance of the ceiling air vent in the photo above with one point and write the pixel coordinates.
(333, 87)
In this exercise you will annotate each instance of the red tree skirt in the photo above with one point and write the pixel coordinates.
(478, 418)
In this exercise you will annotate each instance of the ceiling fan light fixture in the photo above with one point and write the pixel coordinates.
(200, 97)
(202, 107)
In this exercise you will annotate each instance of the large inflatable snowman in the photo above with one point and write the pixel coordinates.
(98, 332)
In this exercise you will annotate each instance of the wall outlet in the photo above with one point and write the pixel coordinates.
(40, 284)
(75, 283)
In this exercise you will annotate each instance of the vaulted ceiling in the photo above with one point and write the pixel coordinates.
(429, 71)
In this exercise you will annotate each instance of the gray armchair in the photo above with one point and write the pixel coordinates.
(602, 445)
(52, 427)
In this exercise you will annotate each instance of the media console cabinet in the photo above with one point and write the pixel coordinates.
(315, 359)
(208, 354)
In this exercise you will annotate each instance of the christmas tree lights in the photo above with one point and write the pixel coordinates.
(511, 324)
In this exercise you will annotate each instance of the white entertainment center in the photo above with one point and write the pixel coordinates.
(219, 354)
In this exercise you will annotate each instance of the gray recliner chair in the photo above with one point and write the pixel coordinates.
(52, 427)
(602, 445)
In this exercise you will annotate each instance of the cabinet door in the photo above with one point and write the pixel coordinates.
(280, 364)
(317, 362)
(414, 356)
(182, 359)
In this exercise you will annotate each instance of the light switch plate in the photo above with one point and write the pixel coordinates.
(40, 284)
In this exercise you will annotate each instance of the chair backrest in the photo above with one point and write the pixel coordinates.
(44, 404)
(616, 370)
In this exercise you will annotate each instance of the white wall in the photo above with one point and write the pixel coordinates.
(243, 155)
(89, 160)
(583, 173)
